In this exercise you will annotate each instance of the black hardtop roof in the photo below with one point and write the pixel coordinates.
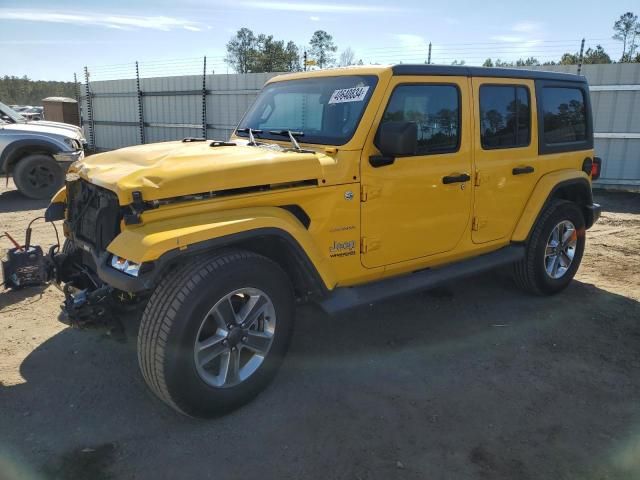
(464, 71)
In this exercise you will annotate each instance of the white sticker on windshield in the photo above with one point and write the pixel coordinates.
(355, 94)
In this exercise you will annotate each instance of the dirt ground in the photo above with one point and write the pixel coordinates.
(475, 380)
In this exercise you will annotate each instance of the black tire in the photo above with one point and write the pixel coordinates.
(172, 320)
(530, 273)
(38, 176)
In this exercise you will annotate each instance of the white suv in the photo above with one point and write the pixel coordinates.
(37, 152)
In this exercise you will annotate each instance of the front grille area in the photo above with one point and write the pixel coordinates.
(93, 213)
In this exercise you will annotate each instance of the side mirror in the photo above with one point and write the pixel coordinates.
(398, 139)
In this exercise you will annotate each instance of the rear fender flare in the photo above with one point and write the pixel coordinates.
(543, 194)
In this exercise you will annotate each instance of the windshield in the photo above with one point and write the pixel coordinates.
(12, 114)
(322, 110)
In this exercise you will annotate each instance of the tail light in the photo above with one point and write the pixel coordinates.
(596, 168)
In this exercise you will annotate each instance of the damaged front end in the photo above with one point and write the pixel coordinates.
(92, 217)
(88, 301)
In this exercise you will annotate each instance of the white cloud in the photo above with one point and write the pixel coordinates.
(317, 7)
(507, 38)
(412, 42)
(526, 27)
(120, 22)
(525, 33)
(313, 18)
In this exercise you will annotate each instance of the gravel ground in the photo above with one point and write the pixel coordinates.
(475, 380)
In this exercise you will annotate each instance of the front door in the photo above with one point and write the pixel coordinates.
(506, 155)
(419, 205)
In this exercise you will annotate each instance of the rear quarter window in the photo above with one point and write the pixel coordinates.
(564, 117)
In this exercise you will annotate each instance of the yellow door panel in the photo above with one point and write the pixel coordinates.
(407, 211)
(506, 154)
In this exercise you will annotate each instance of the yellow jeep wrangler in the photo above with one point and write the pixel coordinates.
(341, 187)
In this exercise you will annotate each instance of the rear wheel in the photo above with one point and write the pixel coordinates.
(554, 250)
(215, 332)
(38, 176)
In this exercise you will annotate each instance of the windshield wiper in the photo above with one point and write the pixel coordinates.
(250, 131)
(292, 136)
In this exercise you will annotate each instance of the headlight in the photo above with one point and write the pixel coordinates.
(72, 143)
(125, 266)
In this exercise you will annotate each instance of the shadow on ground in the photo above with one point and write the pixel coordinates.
(474, 380)
(10, 300)
(14, 201)
(618, 202)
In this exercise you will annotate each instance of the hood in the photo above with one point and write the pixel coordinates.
(173, 169)
(65, 126)
(44, 127)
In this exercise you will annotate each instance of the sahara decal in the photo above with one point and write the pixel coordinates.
(342, 228)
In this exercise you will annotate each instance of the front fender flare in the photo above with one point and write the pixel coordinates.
(167, 239)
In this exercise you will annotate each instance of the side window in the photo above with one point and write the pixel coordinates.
(564, 115)
(505, 116)
(436, 111)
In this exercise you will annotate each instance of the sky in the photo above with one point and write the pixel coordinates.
(53, 39)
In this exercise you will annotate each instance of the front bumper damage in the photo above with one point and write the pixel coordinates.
(89, 300)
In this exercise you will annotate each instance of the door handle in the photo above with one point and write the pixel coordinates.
(459, 178)
(523, 170)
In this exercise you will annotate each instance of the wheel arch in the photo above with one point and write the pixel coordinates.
(18, 149)
(564, 185)
(273, 243)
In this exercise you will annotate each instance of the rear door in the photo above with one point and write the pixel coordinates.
(419, 205)
(506, 154)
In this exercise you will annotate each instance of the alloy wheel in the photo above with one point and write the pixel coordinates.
(234, 337)
(560, 249)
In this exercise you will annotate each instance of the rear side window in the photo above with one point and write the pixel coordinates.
(436, 111)
(564, 115)
(505, 116)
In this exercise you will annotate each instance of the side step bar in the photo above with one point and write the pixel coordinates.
(345, 298)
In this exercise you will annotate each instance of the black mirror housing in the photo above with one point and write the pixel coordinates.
(398, 139)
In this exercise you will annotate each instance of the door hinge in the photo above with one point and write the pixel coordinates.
(478, 223)
(368, 192)
(367, 244)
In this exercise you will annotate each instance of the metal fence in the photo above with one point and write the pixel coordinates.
(132, 111)
(615, 99)
(146, 109)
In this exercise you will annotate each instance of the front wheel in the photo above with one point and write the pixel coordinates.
(554, 250)
(215, 332)
(38, 176)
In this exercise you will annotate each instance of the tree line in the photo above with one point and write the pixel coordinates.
(24, 91)
(626, 30)
(590, 56)
(248, 52)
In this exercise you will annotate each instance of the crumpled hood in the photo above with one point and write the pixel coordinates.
(172, 169)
